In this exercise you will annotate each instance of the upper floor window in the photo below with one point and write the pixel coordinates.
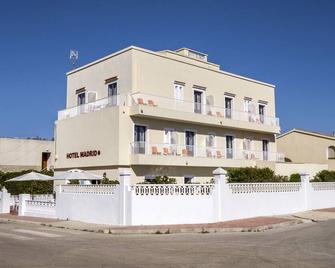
(261, 112)
(210, 140)
(178, 91)
(228, 105)
(112, 93)
(81, 98)
(331, 152)
(170, 136)
(247, 144)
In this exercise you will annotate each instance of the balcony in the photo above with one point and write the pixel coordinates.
(145, 105)
(144, 153)
(92, 107)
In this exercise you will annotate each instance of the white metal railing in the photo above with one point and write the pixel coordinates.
(42, 197)
(172, 189)
(92, 106)
(242, 188)
(202, 151)
(41, 203)
(107, 189)
(323, 186)
(201, 108)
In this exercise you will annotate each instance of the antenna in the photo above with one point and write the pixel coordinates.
(74, 57)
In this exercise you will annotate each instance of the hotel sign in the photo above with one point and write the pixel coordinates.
(91, 153)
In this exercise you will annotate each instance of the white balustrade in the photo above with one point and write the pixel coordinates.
(36, 203)
(161, 149)
(106, 189)
(323, 186)
(172, 189)
(243, 188)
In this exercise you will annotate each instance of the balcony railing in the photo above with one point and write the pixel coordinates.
(91, 107)
(158, 149)
(201, 108)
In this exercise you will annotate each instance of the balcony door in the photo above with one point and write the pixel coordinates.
(197, 97)
(112, 94)
(228, 107)
(190, 142)
(261, 111)
(229, 147)
(140, 139)
(265, 150)
(81, 100)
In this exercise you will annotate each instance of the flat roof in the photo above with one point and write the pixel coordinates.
(163, 56)
(307, 132)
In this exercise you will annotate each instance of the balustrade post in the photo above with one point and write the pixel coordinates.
(220, 180)
(4, 201)
(124, 195)
(305, 178)
(22, 203)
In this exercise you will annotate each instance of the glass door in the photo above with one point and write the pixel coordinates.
(265, 150)
(81, 100)
(190, 142)
(228, 107)
(197, 101)
(261, 111)
(112, 94)
(139, 139)
(230, 147)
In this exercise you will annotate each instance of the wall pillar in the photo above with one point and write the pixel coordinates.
(4, 201)
(305, 178)
(125, 197)
(22, 203)
(220, 180)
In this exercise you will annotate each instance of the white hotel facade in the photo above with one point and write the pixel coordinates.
(164, 113)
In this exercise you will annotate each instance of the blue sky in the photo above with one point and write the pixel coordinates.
(287, 43)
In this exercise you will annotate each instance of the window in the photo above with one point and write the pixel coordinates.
(210, 140)
(170, 137)
(190, 142)
(261, 112)
(81, 98)
(178, 92)
(197, 97)
(331, 152)
(140, 139)
(112, 93)
(247, 144)
(265, 149)
(228, 105)
(188, 179)
(230, 147)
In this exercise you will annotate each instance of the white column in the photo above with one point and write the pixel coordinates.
(125, 197)
(220, 180)
(22, 203)
(4, 201)
(306, 188)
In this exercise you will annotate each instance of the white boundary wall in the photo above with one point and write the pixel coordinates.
(145, 204)
(89, 203)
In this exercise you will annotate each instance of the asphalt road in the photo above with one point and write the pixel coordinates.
(304, 245)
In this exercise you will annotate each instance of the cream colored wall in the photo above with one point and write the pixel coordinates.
(303, 148)
(286, 169)
(93, 78)
(156, 75)
(18, 154)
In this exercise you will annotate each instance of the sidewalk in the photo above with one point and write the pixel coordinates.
(246, 225)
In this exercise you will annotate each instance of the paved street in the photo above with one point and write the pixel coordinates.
(31, 245)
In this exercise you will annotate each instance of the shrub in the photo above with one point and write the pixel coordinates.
(253, 174)
(324, 176)
(25, 187)
(108, 181)
(74, 182)
(295, 177)
(161, 180)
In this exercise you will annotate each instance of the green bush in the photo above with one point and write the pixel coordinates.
(295, 177)
(324, 176)
(75, 182)
(253, 174)
(108, 181)
(161, 180)
(25, 187)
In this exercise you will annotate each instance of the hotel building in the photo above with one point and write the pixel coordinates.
(168, 113)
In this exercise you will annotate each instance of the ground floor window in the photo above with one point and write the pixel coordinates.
(188, 179)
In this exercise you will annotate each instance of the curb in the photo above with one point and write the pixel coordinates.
(165, 230)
